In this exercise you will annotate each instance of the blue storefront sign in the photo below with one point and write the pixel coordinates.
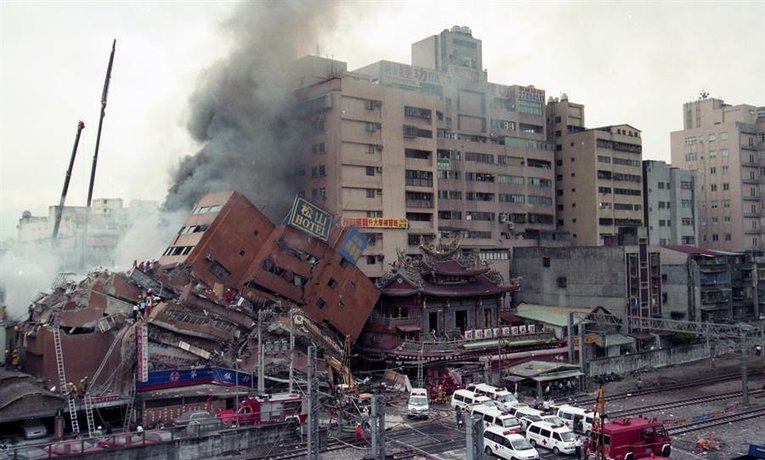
(354, 244)
(185, 377)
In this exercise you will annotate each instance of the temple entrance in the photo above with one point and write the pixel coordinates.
(460, 320)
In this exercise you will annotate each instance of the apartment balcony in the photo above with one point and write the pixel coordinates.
(751, 197)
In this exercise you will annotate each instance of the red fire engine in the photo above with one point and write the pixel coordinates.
(260, 410)
(631, 439)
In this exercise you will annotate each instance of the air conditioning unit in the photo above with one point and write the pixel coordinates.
(378, 169)
(505, 331)
(379, 147)
(469, 335)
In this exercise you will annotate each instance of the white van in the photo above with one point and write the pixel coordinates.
(495, 417)
(418, 404)
(500, 394)
(465, 399)
(559, 438)
(508, 445)
(576, 418)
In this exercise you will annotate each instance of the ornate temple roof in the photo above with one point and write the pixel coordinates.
(443, 271)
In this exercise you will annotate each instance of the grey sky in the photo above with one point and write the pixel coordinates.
(628, 62)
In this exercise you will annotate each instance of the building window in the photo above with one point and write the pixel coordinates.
(370, 170)
(546, 262)
(713, 170)
(332, 283)
(321, 304)
(371, 260)
(561, 281)
(727, 237)
(371, 193)
(715, 237)
(219, 270)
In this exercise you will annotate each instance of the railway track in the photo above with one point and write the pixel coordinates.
(724, 377)
(717, 421)
(683, 403)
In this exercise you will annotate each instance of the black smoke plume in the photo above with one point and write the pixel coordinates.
(244, 112)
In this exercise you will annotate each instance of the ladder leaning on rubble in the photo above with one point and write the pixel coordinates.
(62, 379)
(129, 408)
(88, 395)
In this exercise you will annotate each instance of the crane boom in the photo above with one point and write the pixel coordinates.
(101, 123)
(60, 208)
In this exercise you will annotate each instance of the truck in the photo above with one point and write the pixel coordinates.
(630, 439)
(265, 409)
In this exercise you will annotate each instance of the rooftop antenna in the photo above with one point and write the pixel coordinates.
(703, 95)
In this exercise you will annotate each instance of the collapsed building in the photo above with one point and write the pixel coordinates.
(182, 332)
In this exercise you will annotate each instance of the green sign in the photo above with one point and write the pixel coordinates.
(444, 164)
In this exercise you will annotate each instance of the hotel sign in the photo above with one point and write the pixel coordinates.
(375, 222)
(311, 219)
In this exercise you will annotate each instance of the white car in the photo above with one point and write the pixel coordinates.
(507, 444)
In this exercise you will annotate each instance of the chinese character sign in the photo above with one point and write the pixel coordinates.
(376, 222)
(311, 219)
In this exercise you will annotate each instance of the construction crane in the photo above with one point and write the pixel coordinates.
(60, 208)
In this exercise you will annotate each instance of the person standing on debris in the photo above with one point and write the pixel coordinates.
(365, 417)
(135, 313)
(229, 296)
(639, 384)
(360, 433)
(97, 432)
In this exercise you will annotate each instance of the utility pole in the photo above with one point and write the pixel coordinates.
(292, 349)
(313, 406)
(571, 338)
(744, 370)
(378, 427)
(261, 356)
(474, 436)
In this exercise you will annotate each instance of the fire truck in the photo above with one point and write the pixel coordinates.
(265, 409)
(631, 439)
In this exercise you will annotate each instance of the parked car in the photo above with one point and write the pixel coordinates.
(193, 417)
(34, 429)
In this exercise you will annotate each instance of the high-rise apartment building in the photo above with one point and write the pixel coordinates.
(669, 204)
(411, 153)
(725, 146)
(598, 177)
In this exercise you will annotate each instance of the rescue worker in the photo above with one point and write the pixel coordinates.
(97, 432)
(360, 433)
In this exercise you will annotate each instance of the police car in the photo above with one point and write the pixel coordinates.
(507, 444)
